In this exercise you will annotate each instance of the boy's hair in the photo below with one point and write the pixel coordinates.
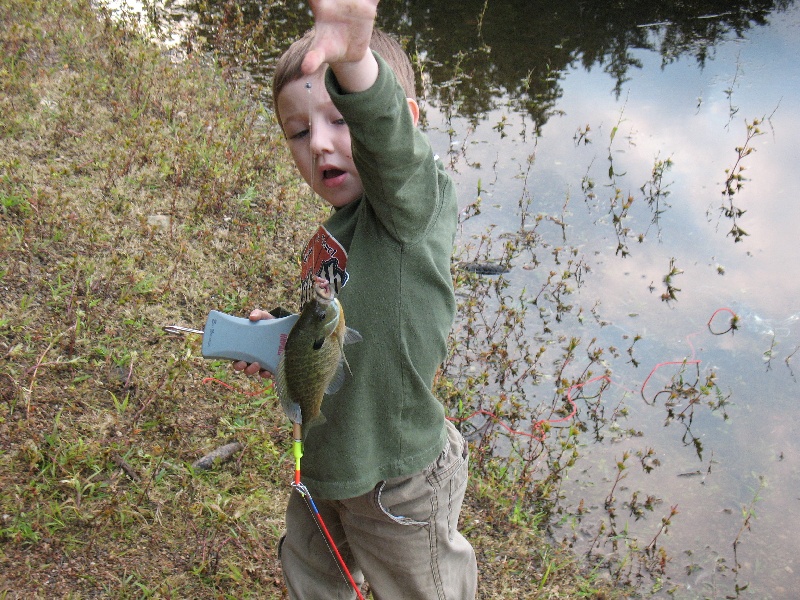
(288, 67)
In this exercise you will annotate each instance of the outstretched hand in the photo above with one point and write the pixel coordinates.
(343, 30)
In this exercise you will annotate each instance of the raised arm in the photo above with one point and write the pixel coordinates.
(342, 34)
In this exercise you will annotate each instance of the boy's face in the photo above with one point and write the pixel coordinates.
(319, 140)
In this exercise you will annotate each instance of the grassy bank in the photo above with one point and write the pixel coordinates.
(137, 192)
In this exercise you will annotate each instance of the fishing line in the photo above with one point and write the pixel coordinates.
(313, 159)
(731, 326)
(297, 452)
(538, 428)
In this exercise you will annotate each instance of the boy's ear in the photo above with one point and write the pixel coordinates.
(414, 108)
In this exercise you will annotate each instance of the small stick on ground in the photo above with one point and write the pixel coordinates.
(218, 456)
(126, 468)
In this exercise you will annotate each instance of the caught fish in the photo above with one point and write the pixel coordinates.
(313, 359)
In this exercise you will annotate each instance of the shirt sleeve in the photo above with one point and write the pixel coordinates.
(403, 182)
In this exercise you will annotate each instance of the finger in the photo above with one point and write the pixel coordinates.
(252, 369)
(259, 315)
(239, 366)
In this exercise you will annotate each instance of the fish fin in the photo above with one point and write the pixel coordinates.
(318, 420)
(338, 378)
(292, 409)
(318, 343)
(345, 363)
(351, 336)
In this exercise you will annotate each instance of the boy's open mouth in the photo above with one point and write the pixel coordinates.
(331, 173)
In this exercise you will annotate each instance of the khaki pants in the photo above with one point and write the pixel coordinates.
(402, 536)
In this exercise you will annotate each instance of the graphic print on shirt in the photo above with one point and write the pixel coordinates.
(323, 257)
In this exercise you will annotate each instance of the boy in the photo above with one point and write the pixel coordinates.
(387, 471)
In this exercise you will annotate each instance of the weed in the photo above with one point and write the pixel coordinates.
(748, 514)
(669, 294)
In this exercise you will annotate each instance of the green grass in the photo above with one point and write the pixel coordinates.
(136, 193)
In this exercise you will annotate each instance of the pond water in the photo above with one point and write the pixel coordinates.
(731, 536)
(598, 141)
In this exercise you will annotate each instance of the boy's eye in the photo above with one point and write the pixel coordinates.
(339, 122)
(299, 135)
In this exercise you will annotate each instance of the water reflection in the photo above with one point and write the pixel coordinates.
(521, 50)
(476, 55)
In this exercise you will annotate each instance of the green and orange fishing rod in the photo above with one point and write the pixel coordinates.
(297, 451)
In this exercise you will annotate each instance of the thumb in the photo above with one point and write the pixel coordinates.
(312, 61)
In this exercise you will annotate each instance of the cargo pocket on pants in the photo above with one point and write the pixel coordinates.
(399, 519)
(449, 476)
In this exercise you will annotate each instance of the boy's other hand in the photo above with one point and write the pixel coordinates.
(253, 368)
(343, 30)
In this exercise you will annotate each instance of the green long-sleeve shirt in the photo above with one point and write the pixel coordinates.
(398, 239)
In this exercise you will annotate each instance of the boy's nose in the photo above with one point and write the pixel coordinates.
(321, 140)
